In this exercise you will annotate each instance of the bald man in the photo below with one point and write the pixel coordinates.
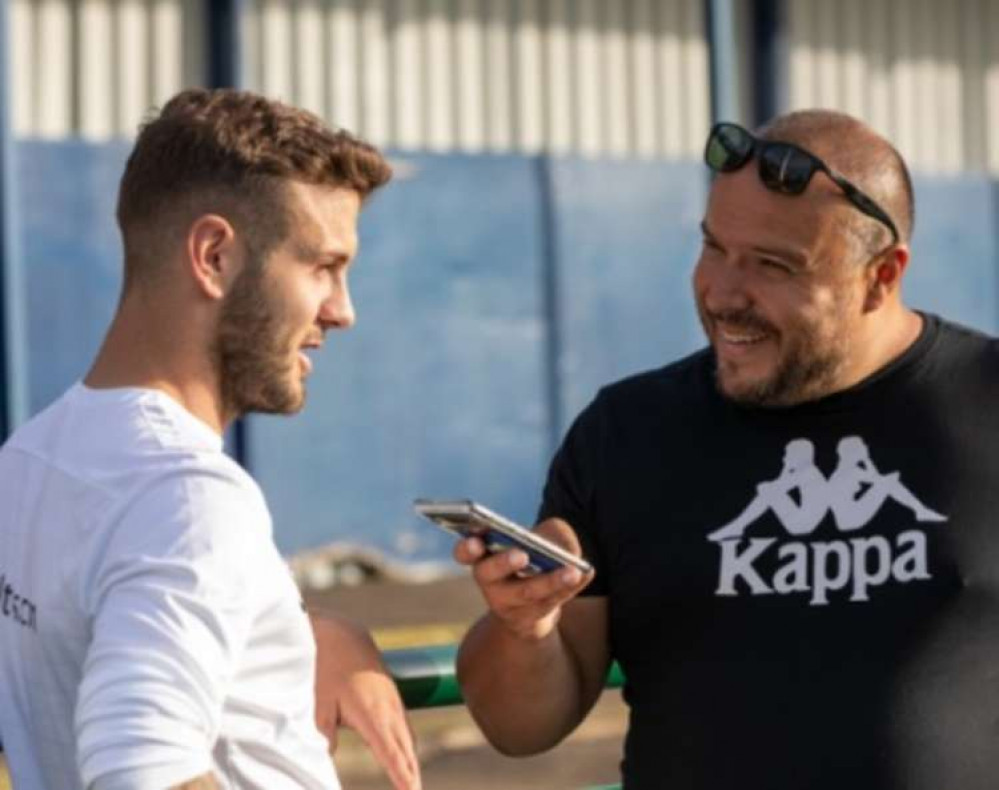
(856, 655)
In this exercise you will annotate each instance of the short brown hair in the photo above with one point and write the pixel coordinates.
(231, 152)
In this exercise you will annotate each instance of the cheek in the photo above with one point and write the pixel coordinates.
(704, 277)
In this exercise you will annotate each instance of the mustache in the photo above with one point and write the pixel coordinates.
(742, 319)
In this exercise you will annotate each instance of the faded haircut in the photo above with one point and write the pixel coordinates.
(232, 153)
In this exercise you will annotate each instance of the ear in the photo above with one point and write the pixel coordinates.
(884, 276)
(215, 255)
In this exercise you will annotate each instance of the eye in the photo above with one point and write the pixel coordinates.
(776, 265)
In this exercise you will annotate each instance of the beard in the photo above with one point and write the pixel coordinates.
(254, 351)
(810, 364)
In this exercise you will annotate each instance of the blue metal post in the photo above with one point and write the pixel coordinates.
(768, 56)
(225, 56)
(13, 333)
(225, 45)
(552, 301)
(723, 60)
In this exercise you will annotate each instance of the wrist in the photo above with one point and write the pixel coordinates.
(531, 632)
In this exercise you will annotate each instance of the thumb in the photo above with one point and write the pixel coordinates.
(561, 534)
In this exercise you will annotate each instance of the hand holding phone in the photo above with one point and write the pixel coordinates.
(468, 519)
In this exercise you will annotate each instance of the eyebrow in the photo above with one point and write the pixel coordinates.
(776, 252)
(306, 251)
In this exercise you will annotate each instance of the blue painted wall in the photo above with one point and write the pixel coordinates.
(481, 282)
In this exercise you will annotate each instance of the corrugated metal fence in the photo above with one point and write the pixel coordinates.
(599, 78)
(924, 73)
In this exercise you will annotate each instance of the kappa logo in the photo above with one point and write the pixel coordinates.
(800, 498)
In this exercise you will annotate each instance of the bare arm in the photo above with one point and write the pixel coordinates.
(353, 689)
(532, 668)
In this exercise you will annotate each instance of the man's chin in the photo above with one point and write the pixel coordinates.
(747, 391)
(284, 402)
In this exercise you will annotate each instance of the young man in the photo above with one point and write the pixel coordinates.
(856, 648)
(161, 641)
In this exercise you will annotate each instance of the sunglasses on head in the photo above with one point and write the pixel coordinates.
(784, 167)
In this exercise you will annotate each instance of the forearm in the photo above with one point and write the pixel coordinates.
(526, 695)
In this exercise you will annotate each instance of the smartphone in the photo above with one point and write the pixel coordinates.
(470, 519)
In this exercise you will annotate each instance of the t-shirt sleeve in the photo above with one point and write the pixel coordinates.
(171, 602)
(571, 489)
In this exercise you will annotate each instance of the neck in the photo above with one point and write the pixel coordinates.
(147, 347)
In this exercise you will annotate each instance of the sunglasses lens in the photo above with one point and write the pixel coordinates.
(729, 147)
(785, 168)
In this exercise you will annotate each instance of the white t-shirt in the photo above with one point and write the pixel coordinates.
(149, 630)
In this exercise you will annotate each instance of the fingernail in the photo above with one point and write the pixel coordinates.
(571, 576)
(518, 559)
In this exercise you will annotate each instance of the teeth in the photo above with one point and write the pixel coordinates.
(728, 337)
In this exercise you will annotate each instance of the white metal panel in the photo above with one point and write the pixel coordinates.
(949, 142)
(558, 77)
(671, 79)
(615, 84)
(22, 67)
(276, 50)
(925, 73)
(469, 65)
(93, 68)
(697, 79)
(440, 76)
(499, 77)
(876, 55)
(991, 86)
(193, 45)
(53, 66)
(596, 77)
(588, 93)
(374, 68)
(919, 71)
(643, 71)
(96, 98)
(827, 54)
(344, 61)
(309, 53)
(972, 65)
(167, 45)
(801, 56)
(407, 82)
(130, 68)
(528, 72)
(854, 77)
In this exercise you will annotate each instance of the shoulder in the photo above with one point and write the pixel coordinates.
(193, 504)
(956, 344)
(670, 386)
(653, 399)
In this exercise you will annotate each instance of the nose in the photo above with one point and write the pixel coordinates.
(722, 285)
(337, 311)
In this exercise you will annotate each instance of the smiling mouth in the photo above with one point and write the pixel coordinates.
(741, 338)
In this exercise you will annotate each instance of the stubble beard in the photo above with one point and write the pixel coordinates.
(254, 352)
(808, 368)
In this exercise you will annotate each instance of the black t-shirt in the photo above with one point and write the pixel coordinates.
(806, 597)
